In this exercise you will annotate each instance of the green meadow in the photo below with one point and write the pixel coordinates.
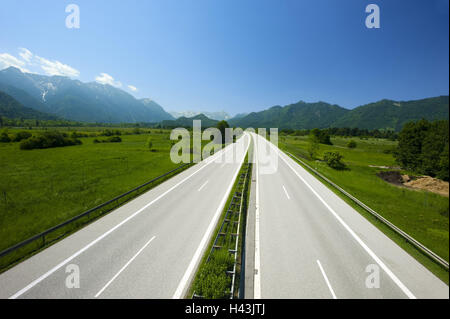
(41, 188)
(422, 214)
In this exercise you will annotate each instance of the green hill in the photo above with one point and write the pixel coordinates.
(385, 114)
(187, 122)
(300, 115)
(388, 114)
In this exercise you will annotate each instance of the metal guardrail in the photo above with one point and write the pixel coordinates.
(397, 230)
(42, 235)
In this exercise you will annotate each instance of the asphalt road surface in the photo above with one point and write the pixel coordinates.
(147, 248)
(309, 243)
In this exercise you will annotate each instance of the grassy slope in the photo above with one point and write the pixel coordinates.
(416, 212)
(46, 187)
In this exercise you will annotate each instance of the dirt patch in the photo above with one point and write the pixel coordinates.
(430, 184)
(417, 182)
(393, 177)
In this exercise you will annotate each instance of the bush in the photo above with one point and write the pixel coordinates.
(48, 140)
(114, 139)
(23, 135)
(351, 144)
(109, 132)
(76, 134)
(4, 138)
(334, 160)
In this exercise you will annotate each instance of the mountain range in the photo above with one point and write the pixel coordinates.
(187, 122)
(11, 108)
(218, 116)
(384, 114)
(48, 97)
(78, 101)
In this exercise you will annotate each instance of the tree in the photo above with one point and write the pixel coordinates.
(444, 167)
(4, 137)
(313, 146)
(323, 136)
(334, 160)
(351, 144)
(423, 147)
(222, 125)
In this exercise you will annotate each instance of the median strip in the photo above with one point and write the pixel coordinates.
(219, 273)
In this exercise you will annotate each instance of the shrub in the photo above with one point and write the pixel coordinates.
(109, 132)
(334, 160)
(76, 134)
(114, 139)
(351, 144)
(48, 140)
(4, 138)
(23, 135)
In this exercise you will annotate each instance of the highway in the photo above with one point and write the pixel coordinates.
(147, 248)
(309, 243)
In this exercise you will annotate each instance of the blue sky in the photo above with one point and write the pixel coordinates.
(237, 56)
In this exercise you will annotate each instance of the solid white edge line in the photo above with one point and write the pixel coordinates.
(326, 280)
(201, 187)
(257, 271)
(207, 161)
(285, 191)
(354, 235)
(190, 269)
(123, 268)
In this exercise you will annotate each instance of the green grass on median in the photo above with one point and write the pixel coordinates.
(211, 280)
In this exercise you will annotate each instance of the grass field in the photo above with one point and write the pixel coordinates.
(43, 187)
(422, 214)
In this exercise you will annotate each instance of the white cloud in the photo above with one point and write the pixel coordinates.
(26, 54)
(56, 67)
(105, 78)
(132, 88)
(28, 59)
(7, 60)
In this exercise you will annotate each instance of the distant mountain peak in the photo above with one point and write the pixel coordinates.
(75, 100)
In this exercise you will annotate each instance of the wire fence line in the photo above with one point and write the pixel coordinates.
(428, 252)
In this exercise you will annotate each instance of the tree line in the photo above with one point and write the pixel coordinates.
(345, 132)
(423, 148)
